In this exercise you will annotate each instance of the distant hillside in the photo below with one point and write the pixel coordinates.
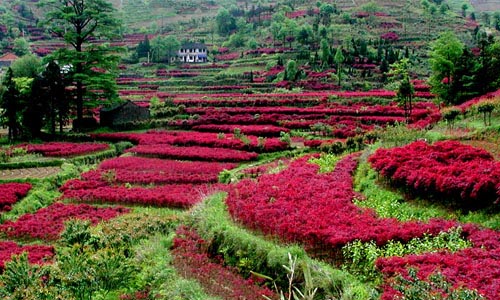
(486, 5)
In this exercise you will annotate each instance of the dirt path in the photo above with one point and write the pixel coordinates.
(28, 173)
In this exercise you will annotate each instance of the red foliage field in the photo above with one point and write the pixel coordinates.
(193, 153)
(194, 138)
(37, 254)
(217, 279)
(316, 209)
(63, 149)
(48, 223)
(469, 176)
(140, 170)
(10, 193)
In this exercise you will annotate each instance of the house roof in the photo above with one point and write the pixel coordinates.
(118, 106)
(8, 57)
(191, 45)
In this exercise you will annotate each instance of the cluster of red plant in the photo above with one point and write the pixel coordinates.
(228, 56)
(135, 80)
(319, 143)
(10, 193)
(149, 86)
(259, 170)
(489, 96)
(301, 13)
(204, 67)
(224, 87)
(258, 130)
(316, 209)
(468, 175)
(61, 149)
(175, 73)
(37, 254)
(193, 138)
(48, 223)
(348, 119)
(267, 50)
(357, 109)
(390, 36)
(171, 195)
(193, 153)
(308, 84)
(253, 100)
(139, 170)
(216, 279)
(475, 268)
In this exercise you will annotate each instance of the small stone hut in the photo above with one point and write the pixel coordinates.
(123, 113)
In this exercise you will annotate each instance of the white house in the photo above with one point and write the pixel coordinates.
(192, 53)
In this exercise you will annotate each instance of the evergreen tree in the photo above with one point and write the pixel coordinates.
(143, 48)
(92, 66)
(10, 105)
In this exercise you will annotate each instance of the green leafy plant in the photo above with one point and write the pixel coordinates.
(360, 257)
(293, 291)
(435, 287)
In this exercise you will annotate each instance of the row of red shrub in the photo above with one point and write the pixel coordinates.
(61, 149)
(217, 279)
(193, 138)
(37, 254)
(48, 223)
(474, 268)
(10, 193)
(460, 173)
(355, 109)
(172, 195)
(138, 170)
(257, 130)
(317, 209)
(193, 153)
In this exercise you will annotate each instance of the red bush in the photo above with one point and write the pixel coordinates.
(10, 193)
(139, 170)
(193, 153)
(316, 209)
(216, 279)
(37, 254)
(447, 169)
(61, 149)
(47, 223)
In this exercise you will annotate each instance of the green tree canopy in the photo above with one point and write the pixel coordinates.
(26, 66)
(10, 104)
(21, 46)
(400, 72)
(444, 56)
(92, 66)
(226, 23)
(339, 59)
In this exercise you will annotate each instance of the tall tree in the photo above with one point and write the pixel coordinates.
(10, 105)
(78, 22)
(404, 88)
(325, 53)
(225, 21)
(52, 83)
(172, 45)
(144, 47)
(444, 57)
(339, 60)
